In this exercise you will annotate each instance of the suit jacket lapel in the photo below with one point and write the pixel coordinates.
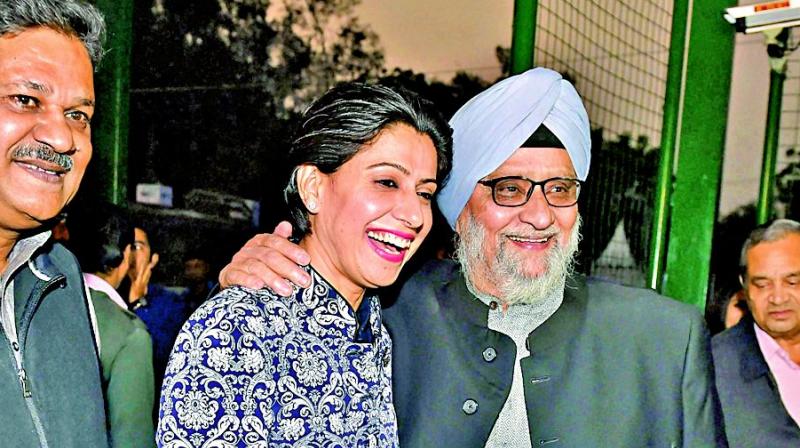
(751, 360)
(566, 321)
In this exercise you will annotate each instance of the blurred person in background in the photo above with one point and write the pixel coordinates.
(735, 309)
(197, 278)
(102, 238)
(142, 263)
(60, 232)
(757, 361)
(162, 309)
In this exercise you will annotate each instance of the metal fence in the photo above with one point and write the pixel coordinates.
(788, 162)
(616, 52)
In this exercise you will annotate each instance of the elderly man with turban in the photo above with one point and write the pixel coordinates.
(506, 347)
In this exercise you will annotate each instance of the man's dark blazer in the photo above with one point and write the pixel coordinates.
(751, 404)
(613, 367)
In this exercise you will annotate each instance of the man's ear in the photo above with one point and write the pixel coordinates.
(125, 265)
(309, 185)
(127, 255)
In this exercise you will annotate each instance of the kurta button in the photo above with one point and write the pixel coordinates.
(470, 406)
(489, 354)
(493, 305)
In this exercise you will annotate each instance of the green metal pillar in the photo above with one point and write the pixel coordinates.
(707, 67)
(523, 34)
(669, 135)
(767, 187)
(112, 90)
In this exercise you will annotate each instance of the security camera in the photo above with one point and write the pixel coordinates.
(764, 16)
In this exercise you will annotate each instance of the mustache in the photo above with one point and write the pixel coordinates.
(44, 153)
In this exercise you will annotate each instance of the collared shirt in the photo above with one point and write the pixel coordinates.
(251, 368)
(20, 254)
(785, 371)
(98, 284)
(517, 322)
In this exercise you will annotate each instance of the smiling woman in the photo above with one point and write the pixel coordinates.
(313, 369)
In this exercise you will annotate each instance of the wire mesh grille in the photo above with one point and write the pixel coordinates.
(788, 161)
(734, 226)
(616, 52)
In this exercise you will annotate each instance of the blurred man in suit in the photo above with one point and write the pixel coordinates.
(757, 362)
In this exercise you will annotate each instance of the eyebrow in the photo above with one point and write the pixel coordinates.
(402, 169)
(757, 277)
(85, 102)
(36, 86)
(30, 85)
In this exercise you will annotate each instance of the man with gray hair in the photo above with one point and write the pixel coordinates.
(507, 347)
(757, 361)
(50, 392)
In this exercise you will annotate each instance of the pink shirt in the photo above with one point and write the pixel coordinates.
(94, 282)
(785, 371)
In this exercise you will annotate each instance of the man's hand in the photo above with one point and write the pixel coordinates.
(268, 259)
(142, 279)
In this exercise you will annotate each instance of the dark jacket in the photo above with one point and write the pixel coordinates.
(614, 366)
(126, 358)
(59, 359)
(751, 404)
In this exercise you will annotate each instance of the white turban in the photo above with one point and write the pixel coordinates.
(492, 125)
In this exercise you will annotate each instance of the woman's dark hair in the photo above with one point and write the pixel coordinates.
(99, 236)
(350, 116)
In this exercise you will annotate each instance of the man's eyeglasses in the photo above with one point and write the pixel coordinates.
(514, 191)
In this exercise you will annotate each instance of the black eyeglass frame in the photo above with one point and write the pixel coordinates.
(492, 182)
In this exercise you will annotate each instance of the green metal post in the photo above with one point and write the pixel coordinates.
(700, 142)
(523, 35)
(669, 136)
(767, 187)
(112, 90)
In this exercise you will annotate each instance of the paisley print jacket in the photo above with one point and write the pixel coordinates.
(254, 369)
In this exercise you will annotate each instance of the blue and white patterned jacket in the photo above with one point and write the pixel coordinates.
(254, 369)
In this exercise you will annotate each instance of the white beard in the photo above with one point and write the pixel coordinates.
(515, 285)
